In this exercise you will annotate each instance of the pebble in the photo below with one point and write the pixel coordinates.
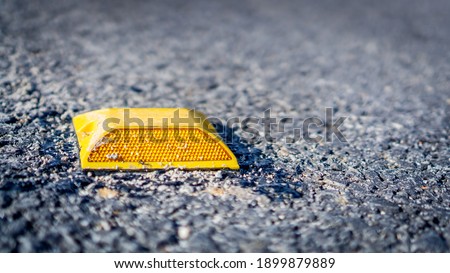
(184, 232)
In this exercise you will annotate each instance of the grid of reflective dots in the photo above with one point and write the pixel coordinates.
(157, 145)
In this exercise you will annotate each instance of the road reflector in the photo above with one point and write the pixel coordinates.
(150, 138)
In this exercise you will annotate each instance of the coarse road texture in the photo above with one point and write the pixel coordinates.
(385, 65)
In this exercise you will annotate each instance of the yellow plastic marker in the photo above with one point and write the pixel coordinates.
(150, 138)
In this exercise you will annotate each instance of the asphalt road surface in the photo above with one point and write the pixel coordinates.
(384, 65)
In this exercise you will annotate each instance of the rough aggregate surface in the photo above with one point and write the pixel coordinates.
(385, 65)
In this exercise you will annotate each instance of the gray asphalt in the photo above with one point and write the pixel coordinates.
(385, 65)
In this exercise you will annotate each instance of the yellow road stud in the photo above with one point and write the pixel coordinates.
(150, 138)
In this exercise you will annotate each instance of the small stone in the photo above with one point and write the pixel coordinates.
(283, 152)
(184, 232)
(112, 156)
(107, 193)
(163, 188)
(186, 189)
(215, 191)
(219, 175)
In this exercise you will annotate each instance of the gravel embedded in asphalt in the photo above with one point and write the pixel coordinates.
(384, 65)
